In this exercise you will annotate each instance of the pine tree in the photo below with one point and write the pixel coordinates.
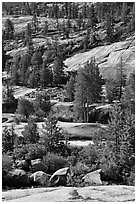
(87, 90)
(109, 27)
(24, 65)
(121, 78)
(28, 33)
(36, 59)
(122, 130)
(111, 90)
(34, 78)
(45, 75)
(8, 139)
(25, 107)
(124, 13)
(9, 29)
(45, 29)
(42, 102)
(15, 70)
(70, 88)
(128, 96)
(53, 136)
(35, 22)
(30, 132)
(58, 72)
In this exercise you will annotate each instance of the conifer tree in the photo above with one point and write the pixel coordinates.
(58, 72)
(24, 65)
(9, 29)
(70, 88)
(15, 70)
(28, 33)
(30, 132)
(45, 75)
(87, 90)
(45, 30)
(8, 139)
(24, 107)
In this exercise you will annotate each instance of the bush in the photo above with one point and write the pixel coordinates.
(77, 173)
(131, 179)
(34, 151)
(111, 168)
(54, 162)
(89, 155)
(6, 166)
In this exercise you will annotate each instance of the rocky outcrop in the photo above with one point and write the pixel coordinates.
(59, 177)
(23, 164)
(72, 194)
(40, 178)
(38, 165)
(107, 57)
(93, 178)
(17, 178)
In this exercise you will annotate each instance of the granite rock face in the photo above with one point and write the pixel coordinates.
(93, 178)
(72, 194)
(17, 178)
(40, 178)
(38, 165)
(107, 57)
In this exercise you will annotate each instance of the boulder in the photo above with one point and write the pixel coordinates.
(59, 178)
(17, 178)
(38, 165)
(93, 178)
(40, 178)
(24, 164)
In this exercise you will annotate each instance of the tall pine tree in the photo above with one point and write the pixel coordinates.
(87, 90)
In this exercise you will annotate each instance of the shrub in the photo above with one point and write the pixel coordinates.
(54, 162)
(131, 179)
(77, 173)
(34, 151)
(111, 168)
(89, 155)
(6, 166)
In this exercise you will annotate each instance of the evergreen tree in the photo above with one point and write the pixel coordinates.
(4, 58)
(109, 28)
(58, 72)
(53, 136)
(122, 129)
(15, 70)
(25, 107)
(37, 58)
(121, 78)
(24, 65)
(28, 33)
(30, 132)
(70, 88)
(42, 102)
(45, 75)
(8, 139)
(111, 90)
(9, 29)
(128, 96)
(35, 22)
(87, 90)
(34, 78)
(124, 13)
(45, 29)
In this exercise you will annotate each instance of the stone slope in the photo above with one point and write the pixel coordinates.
(107, 57)
(69, 194)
